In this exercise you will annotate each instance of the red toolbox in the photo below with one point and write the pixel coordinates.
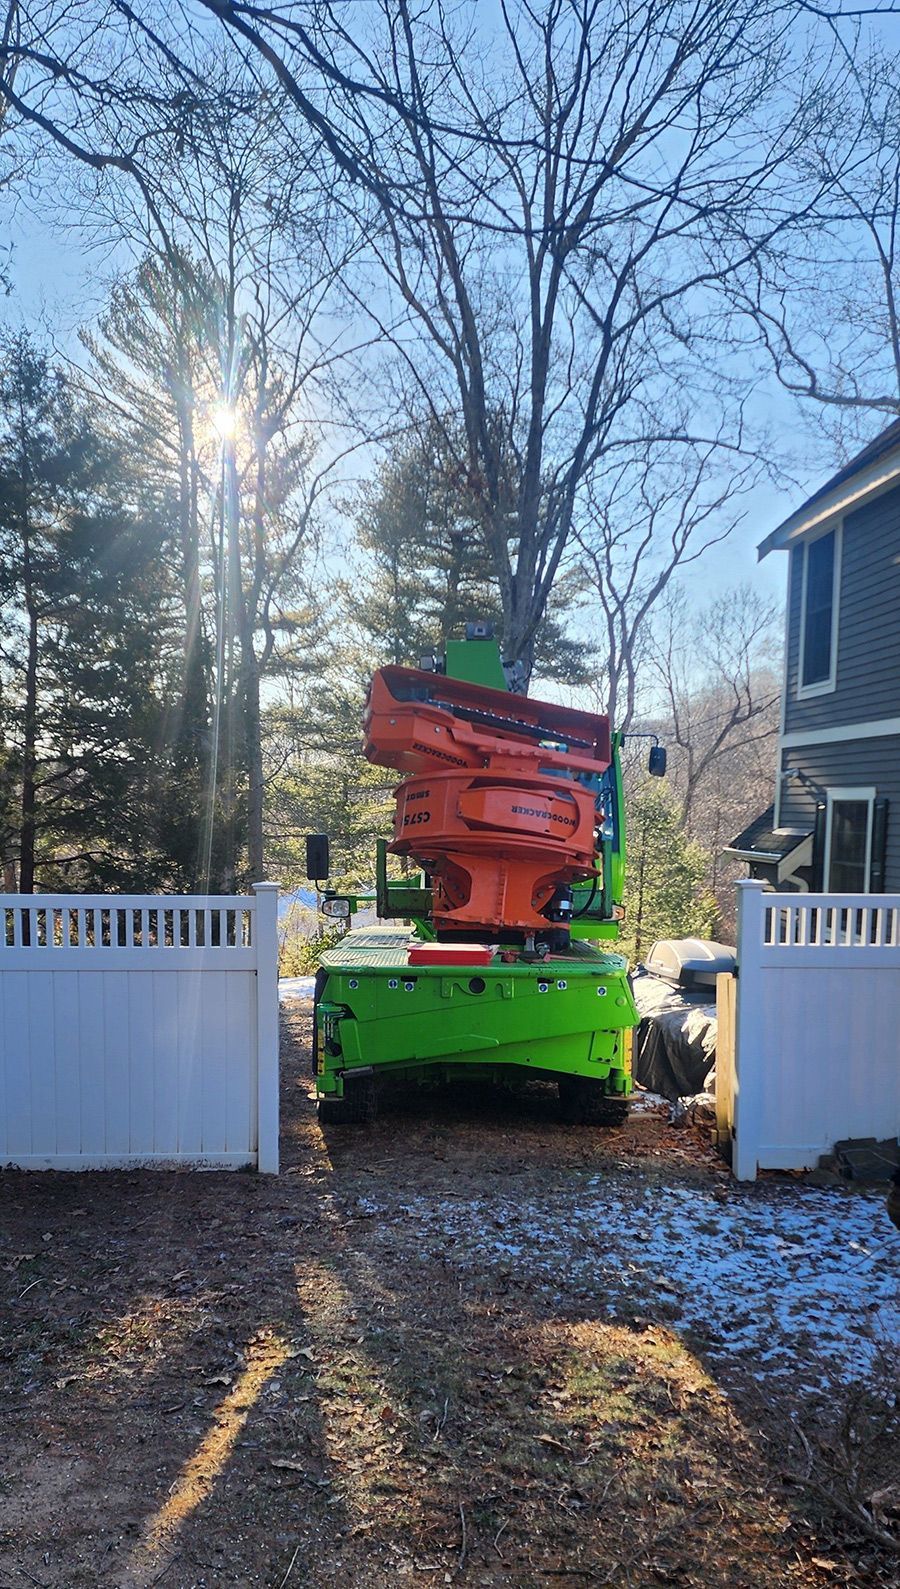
(451, 954)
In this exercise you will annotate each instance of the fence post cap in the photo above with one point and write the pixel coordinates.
(261, 888)
(751, 882)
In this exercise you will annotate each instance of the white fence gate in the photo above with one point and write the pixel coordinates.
(139, 1030)
(809, 1036)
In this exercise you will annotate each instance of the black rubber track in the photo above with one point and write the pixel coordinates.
(584, 1103)
(358, 1107)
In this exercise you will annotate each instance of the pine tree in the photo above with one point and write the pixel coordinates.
(154, 361)
(666, 894)
(426, 570)
(81, 586)
(235, 512)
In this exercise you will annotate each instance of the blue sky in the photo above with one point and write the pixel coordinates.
(60, 282)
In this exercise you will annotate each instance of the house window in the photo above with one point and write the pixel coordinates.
(848, 840)
(818, 619)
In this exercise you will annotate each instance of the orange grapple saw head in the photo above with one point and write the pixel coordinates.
(496, 806)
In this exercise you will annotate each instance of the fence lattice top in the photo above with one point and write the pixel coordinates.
(148, 923)
(867, 921)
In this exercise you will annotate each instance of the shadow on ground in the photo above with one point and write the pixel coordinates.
(217, 1380)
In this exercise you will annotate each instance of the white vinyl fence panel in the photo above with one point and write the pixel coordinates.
(139, 1030)
(815, 1053)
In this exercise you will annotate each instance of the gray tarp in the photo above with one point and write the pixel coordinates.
(675, 1044)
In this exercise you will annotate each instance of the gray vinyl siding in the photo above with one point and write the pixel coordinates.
(863, 763)
(868, 651)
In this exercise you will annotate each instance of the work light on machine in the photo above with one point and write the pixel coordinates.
(336, 907)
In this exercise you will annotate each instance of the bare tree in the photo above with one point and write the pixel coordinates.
(647, 518)
(549, 210)
(552, 206)
(215, 358)
(94, 83)
(718, 688)
(9, 35)
(265, 236)
(825, 304)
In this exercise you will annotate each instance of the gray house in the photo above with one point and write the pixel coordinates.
(837, 778)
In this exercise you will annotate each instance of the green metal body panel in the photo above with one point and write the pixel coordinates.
(572, 1014)
(409, 900)
(593, 908)
(476, 662)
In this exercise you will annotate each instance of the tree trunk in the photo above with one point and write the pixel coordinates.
(194, 698)
(29, 746)
(192, 723)
(518, 643)
(639, 916)
(253, 744)
(29, 723)
(7, 817)
(233, 607)
(251, 671)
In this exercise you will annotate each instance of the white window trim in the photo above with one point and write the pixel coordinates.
(782, 724)
(831, 796)
(827, 686)
(870, 728)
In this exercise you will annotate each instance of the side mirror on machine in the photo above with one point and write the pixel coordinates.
(317, 857)
(656, 764)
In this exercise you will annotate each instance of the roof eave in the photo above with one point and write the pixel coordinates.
(771, 857)
(884, 472)
(752, 857)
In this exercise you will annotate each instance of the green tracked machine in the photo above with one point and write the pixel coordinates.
(497, 957)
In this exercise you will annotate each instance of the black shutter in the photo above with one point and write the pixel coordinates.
(879, 846)
(818, 849)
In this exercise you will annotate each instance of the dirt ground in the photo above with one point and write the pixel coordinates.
(446, 1350)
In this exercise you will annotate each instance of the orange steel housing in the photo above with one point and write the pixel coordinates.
(492, 808)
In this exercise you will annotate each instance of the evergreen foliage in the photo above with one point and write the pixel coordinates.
(83, 692)
(112, 582)
(323, 783)
(426, 570)
(666, 888)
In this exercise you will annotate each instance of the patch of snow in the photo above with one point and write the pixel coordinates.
(768, 1280)
(645, 1102)
(296, 988)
